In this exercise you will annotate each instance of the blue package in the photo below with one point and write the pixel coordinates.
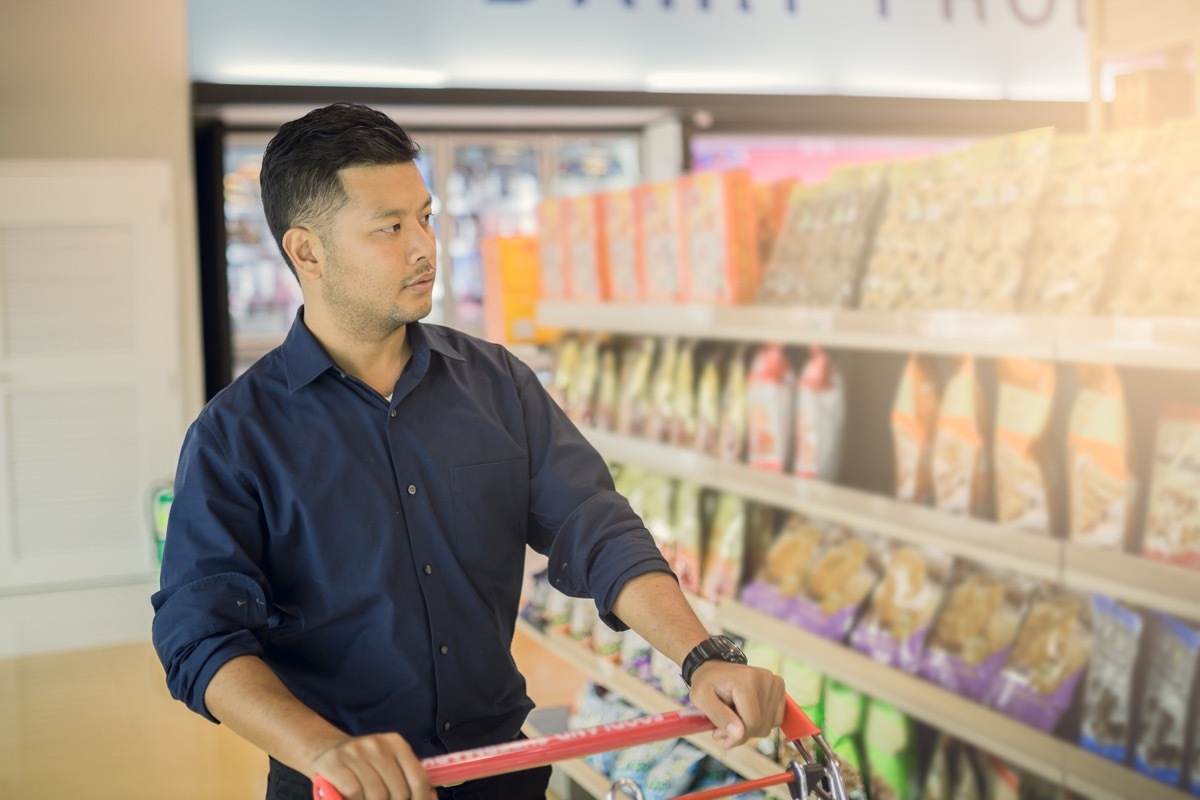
(1170, 676)
(1108, 689)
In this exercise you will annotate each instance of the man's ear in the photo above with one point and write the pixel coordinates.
(303, 247)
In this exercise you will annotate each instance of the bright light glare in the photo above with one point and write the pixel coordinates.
(713, 80)
(335, 74)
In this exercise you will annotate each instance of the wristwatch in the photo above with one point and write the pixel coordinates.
(721, 647)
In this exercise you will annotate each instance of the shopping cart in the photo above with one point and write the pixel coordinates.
(806, 777)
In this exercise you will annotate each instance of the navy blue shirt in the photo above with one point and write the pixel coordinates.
(372, 552)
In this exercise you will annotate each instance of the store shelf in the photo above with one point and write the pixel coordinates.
(1031, 554)
(1137, 27)
(743, 760)
(1006, 738)
(1133, 579)
(1164, 343)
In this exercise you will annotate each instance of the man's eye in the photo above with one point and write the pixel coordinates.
(428, 218)
(393, 228)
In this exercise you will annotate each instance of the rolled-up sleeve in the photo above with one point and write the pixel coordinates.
(212, 605)
(594, 541)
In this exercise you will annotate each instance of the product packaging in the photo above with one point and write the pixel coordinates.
(960, 453)
(662, 390)
(719, 224)
(723, 564)
(940, 777)
(771, 201)
(552, 251)
(820, 421)
(622, 243)
(1172, 530)
(781, 572)
(580, 393)
(689, 536)
(1166, 699)
(674, 773)
(608, 390)
(1108, 691)
(914, 420)
(838, 583)
(1099, 452)
(731, 431)
(769, 407)
(708, 404)
(891, 753)
(587, 256)
(664, 255)
(633, 403)
(684, 421)
(1023, 470)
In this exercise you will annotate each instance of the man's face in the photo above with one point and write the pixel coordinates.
(380, 252)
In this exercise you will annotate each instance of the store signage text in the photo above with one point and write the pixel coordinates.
(1028, 12)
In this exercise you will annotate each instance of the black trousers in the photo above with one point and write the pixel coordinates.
(285, 783)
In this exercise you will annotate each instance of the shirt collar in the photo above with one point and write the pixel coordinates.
(304, 358)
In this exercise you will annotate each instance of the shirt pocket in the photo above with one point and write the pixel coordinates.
(491, 509)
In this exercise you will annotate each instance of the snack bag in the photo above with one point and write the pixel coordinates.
(975, 629)
(656, 503)
(820, 418)
(719, 225)
(838, 583)
(674, 773)
(666, 678)
(566, 365)
(1023, 416)
(1171, 676)
(1172, 531)
(608, 391)
(552, 255)
(785, 565)
(1000, 781)
(587, 257)
(708, 405)
(891, 753)
(731, 433)
(939, 780)
(633, 406)
(895, 624)
(960, 458)
(635, 656)
(581, 391)
(689, 536)
(635, 763)
(1099, 476)
(662, 389)
(1052, 649)
(622, 242)
(914, 419)
(665, 271)
(1108, 690)
(682, 431)
(768, 407)
(606, 642)
(845, 718)
(723, 566)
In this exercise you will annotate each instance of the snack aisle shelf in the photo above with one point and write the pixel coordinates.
(1164, 343)
(1009, 739)
(1127, 577)
(743, 760)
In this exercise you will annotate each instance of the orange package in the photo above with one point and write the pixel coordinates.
(586, 254)
(914, 420)
(552, 255)
(621, 239)
(1099, 477)
(770, 207)
(960, 481)
(720, 237)
(1024, 406)
(664, 273)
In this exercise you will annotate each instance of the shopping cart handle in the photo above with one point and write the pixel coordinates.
(498, 759)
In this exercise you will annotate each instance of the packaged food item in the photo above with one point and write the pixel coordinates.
(1099, 451)
(839, 581)
(606, 643)
(806, 686)
(1037, 685)
(893, 628)
(674, 773)
(708, 405)
(731, 432)
(824, 240)
(960, 456)
(780, 575)
(1194, 760)
(582, 618)
(566, 365)
(635, 763)
(586, 254)
(662, 390)
(845, 717)
(768, 409)
(664, 256)
(580, 404)
(1166, 698)
(914, 420)
(719, 229)
(820, 418)
(1000, 781)
(552, 256)
(655, 503)
(634, 402)
(1172, 529)
(608, 391)
(682, 431)
(1108, 690)
(975, 628)
(1023, 471)
(666, 678)
(711, 775)
(891, 753)
(723, 564)
(622, 243)
(689, 536)
(771, 202)
(635, 656)
(940, 778)
(970, 778)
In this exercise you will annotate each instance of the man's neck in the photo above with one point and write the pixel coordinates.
(376, 362)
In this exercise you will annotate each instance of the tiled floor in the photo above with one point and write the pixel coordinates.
(99, 725)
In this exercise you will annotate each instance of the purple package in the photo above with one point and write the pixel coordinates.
(778, 573)
(840, 580)
(1038, 683)
(894, 627)
(974, 629)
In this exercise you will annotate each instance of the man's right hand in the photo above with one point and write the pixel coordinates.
(377, 767)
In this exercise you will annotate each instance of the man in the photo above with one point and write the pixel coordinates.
(341, 581)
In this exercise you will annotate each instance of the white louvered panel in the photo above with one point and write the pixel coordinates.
(74, 476)
(67, 289)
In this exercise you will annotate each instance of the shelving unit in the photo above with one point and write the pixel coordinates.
(1130, 578)
(744, 761)
(1165, 343)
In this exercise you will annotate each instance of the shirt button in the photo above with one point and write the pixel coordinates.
(445, 726)
(428, 569)
(393, 413)
(412, 489)
(444, 649)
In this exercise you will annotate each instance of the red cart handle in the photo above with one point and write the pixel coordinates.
(483, 762)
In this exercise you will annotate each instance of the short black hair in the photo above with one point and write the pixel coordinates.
(300, 179)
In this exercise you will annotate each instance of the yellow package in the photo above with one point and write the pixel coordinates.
(1024, 406)
(581, 393)
(960, 482)
(914, 419)
(683, 398)
(632, 406)
(608, 391)
(566, 362)
(731, 436)
(662, 388)
(708, 406)
(723, 565)
(1100, 481)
